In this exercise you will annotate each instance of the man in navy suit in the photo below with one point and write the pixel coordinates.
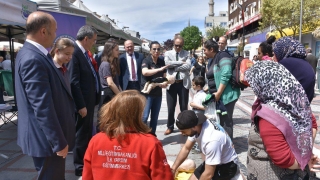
(85, 87)
(130, 68)
(46, 128)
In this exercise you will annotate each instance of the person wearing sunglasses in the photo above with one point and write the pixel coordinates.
(153, 67)
(179, 65)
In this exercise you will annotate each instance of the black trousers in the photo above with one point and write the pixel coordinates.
(52, 167)
(108, 94)
(226, 121)
(83, 136)
(183, 93)
(106, 97)
(133, 85)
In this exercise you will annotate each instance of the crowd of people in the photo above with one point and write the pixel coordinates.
(57, 93)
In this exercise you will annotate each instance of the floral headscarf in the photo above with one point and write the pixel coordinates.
(284, 104)
(288, 47)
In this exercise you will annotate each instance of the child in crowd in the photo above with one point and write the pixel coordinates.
(61, 54)
(197, 85)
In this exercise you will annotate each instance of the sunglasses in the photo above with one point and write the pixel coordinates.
(178, 46)
(156, 49)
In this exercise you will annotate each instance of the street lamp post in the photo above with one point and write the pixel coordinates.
(201, 45)
(300, 28)
(242, 16)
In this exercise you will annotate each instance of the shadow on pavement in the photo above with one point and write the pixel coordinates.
(240, 144)
(241, 121)
(174, 138)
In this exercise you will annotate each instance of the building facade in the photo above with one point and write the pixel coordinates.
(212, 21)
(243, 13)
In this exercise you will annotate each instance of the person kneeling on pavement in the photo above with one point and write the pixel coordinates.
(220, 156)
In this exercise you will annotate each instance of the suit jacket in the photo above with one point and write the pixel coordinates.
(179, 66)
(98, 58)
(124, 70)
(83, 83)
(46, 107)
(312, 61)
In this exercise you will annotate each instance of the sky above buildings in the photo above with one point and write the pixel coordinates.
(156, 20)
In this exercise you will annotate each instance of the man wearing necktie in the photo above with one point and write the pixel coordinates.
(46, 128)
(179, 66)
(130, 68)
(85, 87)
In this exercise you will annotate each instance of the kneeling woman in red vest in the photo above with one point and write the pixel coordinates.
(125, 148)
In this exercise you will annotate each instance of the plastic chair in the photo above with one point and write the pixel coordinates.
(8, 87)
(7, 82)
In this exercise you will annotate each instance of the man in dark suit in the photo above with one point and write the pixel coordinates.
(223, 45)
(312, 60)
(98, 56)
(46, 128)
(130, 68)
(85, 87)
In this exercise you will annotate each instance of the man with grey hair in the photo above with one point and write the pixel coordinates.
(312, 59)
(130, 68)
(223, 45)
(179, 65)
(85, 87)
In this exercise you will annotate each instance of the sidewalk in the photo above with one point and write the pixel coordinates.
(19, 166)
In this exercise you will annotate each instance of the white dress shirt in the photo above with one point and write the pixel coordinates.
(39, 46)
(129, 66)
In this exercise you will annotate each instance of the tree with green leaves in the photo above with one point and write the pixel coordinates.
(192, 38)
(286, 14)
(216, 31)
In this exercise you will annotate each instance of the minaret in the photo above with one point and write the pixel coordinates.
(211, 8)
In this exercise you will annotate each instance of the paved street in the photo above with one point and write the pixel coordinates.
(19, 166)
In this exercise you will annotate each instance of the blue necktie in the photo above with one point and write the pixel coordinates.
(93, 71)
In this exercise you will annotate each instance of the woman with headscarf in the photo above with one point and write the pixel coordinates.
(291, 54)
(280, 138)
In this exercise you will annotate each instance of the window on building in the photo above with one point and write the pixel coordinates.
(223, 24)
(253, 10)
(209, 24)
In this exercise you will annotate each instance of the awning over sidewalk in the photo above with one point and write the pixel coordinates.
(289, 31)
(64, 6)
(247, 22)
(14, 14)
(106, 30)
